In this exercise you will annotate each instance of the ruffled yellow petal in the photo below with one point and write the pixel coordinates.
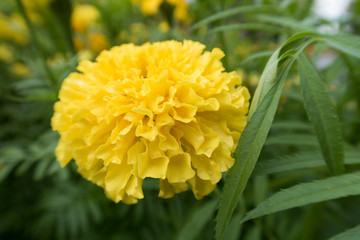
(168, 190)
(179, 168)
(201, 187)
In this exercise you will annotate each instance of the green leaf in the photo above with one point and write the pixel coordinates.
(350, 234)
(266, 81)
(197, 221)
(247, 152)
(322, 115)
(268, 76)
(300, 160)
(346, 43)
(293, 139)
(286, 22)
(291, 125)
(257, 55)
(234, 229)
(244, 26)
(231, 12)
(306, 193)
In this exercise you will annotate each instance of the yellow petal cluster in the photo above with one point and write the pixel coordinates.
(151, 7)
(165, 110)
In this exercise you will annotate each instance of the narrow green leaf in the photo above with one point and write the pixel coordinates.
(231, 12)
(291, 125)
(268, 76)
(293, 139)
(286, 22)
(266, 81)
(257, 55)
(346, 43)
(350, 234)
(234, 230)
(248, 151)
(322, 115)
(306, 193)
(300, 160)
(244, 26)
(197, 221)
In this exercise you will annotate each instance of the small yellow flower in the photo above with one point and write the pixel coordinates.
(6, 53)
(13, 28)
(20, 70)
(164, 26)
(151, 7)
(98, 42)
(83, 17)
(165, 110)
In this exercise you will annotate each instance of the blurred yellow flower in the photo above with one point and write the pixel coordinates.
(20, 70)
(85, 54)
(13, 28)
(6, 53)
(151, 7)
(98, 42)
(165, 110)
(35, 3)
(83, 16)
(164, 26)
(33, 7)
(93, 41)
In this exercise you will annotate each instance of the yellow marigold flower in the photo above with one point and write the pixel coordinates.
(83, 16)
(151, 7)
(164, 110)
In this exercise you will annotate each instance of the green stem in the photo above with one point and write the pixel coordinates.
(52, 79)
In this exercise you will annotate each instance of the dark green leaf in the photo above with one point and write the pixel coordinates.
(350, 234)
(300, 160)
(322, 115)
(197, 221)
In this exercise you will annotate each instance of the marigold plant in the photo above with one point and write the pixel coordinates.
(165, 110)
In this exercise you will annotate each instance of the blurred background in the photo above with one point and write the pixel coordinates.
(42, 41)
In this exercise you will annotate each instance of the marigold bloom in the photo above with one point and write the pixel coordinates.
(164, 110)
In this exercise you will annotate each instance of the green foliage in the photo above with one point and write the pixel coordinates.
(322, 115)
(304, 119)
(350, 234)
(306, 193)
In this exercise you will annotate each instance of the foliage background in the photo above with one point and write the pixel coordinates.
(40, 200)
